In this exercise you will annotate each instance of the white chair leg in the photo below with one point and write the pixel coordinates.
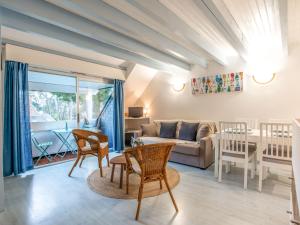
(246, 175)
(265, 172)
(252, 170)
(228, 167)
(253, 166)
(260, 176)
(255, 162)
(220, 169)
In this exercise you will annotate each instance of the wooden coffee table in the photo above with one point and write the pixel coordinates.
(118, 160)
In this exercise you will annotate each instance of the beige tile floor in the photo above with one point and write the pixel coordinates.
(47, 196)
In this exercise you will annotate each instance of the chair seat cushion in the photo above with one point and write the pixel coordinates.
(88, 148)
(135, 165)
(278, 161)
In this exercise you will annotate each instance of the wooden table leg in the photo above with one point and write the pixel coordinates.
(121, 176)
(112, 173)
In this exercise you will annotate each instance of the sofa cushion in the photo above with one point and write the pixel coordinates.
(154, 140)
(188, 131)
(168, 130)
(203, 131)
(182, 146)
(187, 148)
(158, 124)
(149, 130)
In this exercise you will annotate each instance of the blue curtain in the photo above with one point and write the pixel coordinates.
(17, 155)
(118, 116)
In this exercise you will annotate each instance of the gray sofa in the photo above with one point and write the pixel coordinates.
(198, 153)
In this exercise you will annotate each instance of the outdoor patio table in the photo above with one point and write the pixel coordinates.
(63, 135)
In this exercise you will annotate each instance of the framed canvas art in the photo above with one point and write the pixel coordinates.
(220, 83)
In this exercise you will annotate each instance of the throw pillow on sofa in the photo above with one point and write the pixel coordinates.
(168, 130)
(149, 130)
(188, 131)
(203, 131)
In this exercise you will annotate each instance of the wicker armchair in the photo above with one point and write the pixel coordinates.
(90, 143)
(149, 162)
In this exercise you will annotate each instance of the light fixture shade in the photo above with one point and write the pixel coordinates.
(178, 86)
(264, 79)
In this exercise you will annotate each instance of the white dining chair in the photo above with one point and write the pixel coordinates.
(275, 147)
(251, 123)
(234, 147)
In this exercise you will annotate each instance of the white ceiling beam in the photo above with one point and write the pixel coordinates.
(102, 13)
(24, 23)
(156, 9)
(232, 33)
(54, 15)
(64, 54)
(283, 13)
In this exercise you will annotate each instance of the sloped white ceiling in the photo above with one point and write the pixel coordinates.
(259, 21)
(158, 33)
(137, 81)
(194, 17)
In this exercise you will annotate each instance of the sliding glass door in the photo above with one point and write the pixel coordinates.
(92, 99)
(58, 104)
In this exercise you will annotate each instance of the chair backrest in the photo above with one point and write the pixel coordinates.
(279, 121)
(251, 123)
(233, 137)
(88, 138)
(276, 140)
(152, 158)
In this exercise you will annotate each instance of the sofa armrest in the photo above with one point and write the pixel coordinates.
(206, 142)
(206, 151)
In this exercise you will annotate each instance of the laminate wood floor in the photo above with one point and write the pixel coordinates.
(47, 196)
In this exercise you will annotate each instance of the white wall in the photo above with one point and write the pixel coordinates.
(279, 99)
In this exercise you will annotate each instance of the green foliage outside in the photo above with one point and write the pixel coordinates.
(62, 106)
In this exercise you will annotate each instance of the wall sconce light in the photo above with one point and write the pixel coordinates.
(146, 111)
(263, 79)
(178, 87)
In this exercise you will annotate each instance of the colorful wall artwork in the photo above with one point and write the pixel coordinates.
(231, 82)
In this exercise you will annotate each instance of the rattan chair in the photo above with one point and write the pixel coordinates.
(149, 162)
(90, 143)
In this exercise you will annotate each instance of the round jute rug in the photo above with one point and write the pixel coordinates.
(103, 186)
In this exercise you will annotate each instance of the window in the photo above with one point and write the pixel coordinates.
(51, 97)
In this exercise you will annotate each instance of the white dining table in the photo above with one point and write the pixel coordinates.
(252, 136)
